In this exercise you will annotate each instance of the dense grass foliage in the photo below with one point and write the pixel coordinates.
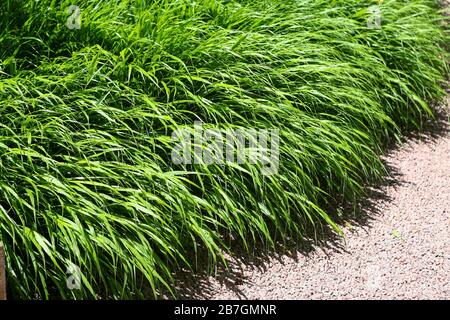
(86, 117)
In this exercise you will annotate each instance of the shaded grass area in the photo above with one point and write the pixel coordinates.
(86, 118)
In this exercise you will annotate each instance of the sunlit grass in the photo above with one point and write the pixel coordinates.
(86, 118)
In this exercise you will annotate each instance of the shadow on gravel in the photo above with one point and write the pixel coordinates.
(198, 285)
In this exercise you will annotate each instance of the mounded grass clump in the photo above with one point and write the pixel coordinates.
(86, 118)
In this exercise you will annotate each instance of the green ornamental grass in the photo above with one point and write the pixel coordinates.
(86, 118)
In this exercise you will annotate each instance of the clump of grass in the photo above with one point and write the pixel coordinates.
(86, 117)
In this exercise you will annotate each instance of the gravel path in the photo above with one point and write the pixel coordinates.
(400, 251)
